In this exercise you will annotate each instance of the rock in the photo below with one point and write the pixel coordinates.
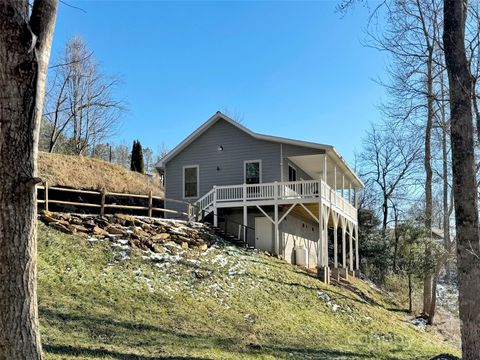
(112, 229)
(203, 247)
(184, 245)
(48, 218)
(161, 236)
(139, 232)
(79, 228)
(99, 231)
(61, 227)
(159, 249)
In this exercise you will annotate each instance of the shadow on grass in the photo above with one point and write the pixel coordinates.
(127, 335)
(93, 353)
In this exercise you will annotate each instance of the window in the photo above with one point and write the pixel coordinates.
(190, 181)
(292, 173)
(253, 172)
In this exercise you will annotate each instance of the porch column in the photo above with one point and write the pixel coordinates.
(276, 235)
(335, 241)
(343, 186)
(325, 167)
(350, 193)
(350, 250)
(335, 178)
(344, 245)
(245, 222)
(357, 259)
(320, 257)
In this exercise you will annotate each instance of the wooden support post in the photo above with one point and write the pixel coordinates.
(344, 245)
(46, 195)
(350, 249)
(335, 242)
(357, 258)
(276, 235)
(320, 248)
(102, 202)
(245, 224)
(150, 203)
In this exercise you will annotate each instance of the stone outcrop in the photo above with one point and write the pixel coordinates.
(141, 232)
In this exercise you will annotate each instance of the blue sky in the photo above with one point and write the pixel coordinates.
(292, 69)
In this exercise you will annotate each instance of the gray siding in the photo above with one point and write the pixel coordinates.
(237, 147)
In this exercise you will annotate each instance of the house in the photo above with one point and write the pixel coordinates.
(292, 198)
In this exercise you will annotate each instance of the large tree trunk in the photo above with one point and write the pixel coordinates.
(464, 182)
(24, 53)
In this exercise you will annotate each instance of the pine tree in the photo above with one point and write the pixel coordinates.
(137, 163)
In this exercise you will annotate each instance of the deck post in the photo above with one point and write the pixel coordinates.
(215, 215)
(342, 271)
(335, 180)
(357, 259)
(335, 241)
(350, 193)
(276, 236)
(350, 249)
(245, 223)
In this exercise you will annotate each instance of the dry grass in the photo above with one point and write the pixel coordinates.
(86, 173)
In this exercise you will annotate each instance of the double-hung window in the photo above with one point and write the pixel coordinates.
(190, 181)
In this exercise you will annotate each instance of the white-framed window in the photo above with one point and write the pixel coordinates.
(292, 173)
(191, 181)
(252, 171)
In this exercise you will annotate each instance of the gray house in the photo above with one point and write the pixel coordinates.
(292, 198)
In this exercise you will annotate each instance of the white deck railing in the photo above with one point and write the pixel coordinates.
(305, 189)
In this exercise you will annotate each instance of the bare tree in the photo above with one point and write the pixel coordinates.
(25, 42)
(388, 160)
(464, 181)
(81, 105)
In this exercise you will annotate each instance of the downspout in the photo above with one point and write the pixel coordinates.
(281, 162)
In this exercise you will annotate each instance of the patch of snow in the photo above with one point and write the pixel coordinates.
(421, 323)
(220, 258)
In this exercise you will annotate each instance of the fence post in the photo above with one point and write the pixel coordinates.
(46, 195)
(102, 202)
(150, 203)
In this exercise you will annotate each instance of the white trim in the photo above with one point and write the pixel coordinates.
(245, 169)
(198, 181)
(218, 116)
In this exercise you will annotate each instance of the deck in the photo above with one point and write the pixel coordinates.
(278, 193)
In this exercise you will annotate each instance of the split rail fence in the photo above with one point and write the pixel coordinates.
(103, 203)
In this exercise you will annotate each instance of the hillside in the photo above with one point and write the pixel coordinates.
(99, 299)
(87, 173)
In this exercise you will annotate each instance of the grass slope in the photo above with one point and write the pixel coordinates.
(228, 303)
(83, 172)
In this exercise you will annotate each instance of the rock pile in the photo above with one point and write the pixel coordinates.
(141, 232)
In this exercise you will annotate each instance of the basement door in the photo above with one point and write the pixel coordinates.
(263, 234)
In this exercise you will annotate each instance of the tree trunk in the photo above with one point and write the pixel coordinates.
(464, 182)
(427, 283)
(24, 53)
(410, 293)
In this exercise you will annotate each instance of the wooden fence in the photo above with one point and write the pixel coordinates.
(102, 203)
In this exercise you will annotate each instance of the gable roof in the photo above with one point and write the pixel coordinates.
(329, 149)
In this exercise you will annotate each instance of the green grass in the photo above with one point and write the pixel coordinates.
(240, 305)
